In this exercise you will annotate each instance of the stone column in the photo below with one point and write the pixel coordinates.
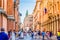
(3, 19)
(48, 26)
(57, 23)
(11, 23)
(53, 25)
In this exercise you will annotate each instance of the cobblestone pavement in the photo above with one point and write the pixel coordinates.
(36, 38)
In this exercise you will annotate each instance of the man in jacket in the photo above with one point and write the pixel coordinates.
(3, 35)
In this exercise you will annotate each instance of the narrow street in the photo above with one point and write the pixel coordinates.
(28, 37)
(29, 19)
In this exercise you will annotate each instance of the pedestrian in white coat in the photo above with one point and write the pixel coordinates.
(13, 35)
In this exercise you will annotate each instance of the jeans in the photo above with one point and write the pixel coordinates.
(58, 37)
(43, 38)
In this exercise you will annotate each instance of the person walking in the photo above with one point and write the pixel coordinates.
(9, 34)
(32, 34)
(51, 34)
(39, 33)
(3, 35)
(13, 35)
(47, 35)
(22, 34)
(19, 33)
(58, 35)
(43, 34)
(35, 34)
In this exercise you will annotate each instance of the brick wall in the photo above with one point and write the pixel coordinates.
(11, 25)
(10, 7)
(4, 22)
(0, 21)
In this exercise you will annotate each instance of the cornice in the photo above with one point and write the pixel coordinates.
(3, 12)
(11, 17)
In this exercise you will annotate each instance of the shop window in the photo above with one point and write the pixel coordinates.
(58, 5)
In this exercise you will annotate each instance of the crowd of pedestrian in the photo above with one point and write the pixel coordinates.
(47, 34)
(12, 34)
(43, 34)
(34, 34)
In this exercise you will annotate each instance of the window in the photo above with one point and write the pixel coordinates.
(0, 3)
(45, 10)
(17, 9)
(31, 20)
(58, 3)
(14, 3)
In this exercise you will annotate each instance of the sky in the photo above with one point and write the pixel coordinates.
(26, 5)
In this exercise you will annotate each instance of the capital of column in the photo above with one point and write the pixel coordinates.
(3, 12)
(11, 17)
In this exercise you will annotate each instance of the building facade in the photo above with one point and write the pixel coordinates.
(9, 14)
(3, 15)
(49, 15)
(28, 22)
(36, 16)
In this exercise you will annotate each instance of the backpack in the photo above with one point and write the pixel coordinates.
(58, 33)
(3, 36)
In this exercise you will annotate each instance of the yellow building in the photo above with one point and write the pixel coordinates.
(47, 15)
(36, 16)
